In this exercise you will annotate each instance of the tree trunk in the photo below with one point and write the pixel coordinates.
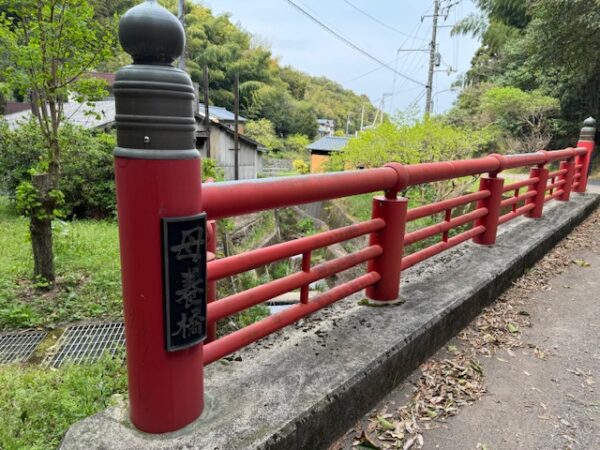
(43, 254)
(40, 228)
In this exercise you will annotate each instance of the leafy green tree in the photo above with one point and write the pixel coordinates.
(549, 46)
(498, 22)
(524, 115)
(263, 131)
(424, 140)
(297, 143)
(288, 115)
(49, 46)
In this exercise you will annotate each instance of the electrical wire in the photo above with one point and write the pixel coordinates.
(417, 99)
(383, 24)
(393, 61)
(350, 43)
(358, 77)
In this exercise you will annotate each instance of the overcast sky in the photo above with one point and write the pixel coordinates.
(297, 41)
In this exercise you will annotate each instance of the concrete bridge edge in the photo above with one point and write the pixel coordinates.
(326, 415)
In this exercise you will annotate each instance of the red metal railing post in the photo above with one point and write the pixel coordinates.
(304, 290)
(569, 166)
(541, 173)
(391, 239)
(490, 221)
(586, 140)
(211, 288)
(157, 171)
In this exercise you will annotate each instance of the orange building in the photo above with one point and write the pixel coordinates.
(321, 150)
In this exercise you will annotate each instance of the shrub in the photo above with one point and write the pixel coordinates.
(87, 181)
(301, 166)
(210, 170)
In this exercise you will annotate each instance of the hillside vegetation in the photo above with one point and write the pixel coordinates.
(290, 99)
(536, 74)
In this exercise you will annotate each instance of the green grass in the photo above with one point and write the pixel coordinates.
(87, 266)
(38, 405)
(516, 170)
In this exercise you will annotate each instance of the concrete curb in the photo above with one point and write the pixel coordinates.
(304, 387)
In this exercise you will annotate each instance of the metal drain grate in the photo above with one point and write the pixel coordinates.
(87, 343)
(18, 347)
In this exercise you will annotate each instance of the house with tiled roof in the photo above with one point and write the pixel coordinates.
(101, 116)
(322, 149)
(222, 144)
(98, 115)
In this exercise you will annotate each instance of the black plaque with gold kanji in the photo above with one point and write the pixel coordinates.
(184, 280)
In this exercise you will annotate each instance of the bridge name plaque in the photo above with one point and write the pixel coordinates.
(184, 280)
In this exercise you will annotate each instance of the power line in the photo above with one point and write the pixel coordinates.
(375, 19)
(405, 91)
(418, 99)
(407, 64)
(358, 77)
(351, 44)
(393, 61)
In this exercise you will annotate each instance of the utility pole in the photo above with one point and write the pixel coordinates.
(181, 13)
(236, 134)
(362, 117)
(348, 124)
(206, 112)
(381, 108)
(432, 57)
(435, 58)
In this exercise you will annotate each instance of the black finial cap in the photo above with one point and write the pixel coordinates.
(588, 132)
(151, 34)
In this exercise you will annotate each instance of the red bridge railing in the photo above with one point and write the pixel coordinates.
(162, 226)
(494, 204)
(166, 387)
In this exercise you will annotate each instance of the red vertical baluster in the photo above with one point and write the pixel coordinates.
(492, 203)
(391, 239)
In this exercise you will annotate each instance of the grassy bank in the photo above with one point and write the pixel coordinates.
(38, 405)
(87, 266)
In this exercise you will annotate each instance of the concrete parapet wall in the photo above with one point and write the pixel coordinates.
(303, 387)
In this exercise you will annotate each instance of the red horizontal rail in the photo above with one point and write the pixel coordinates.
(554, 196)
(238, 302)
(234, 198)
(514, 200)
(434, 208)
(520, 184)
(443, 227)
(422, 255)
(233, 265)
(438, 171)
(556, 184)
(557, 173)
(568, 153)
(514, 214)
(522, 160)
(252, 333)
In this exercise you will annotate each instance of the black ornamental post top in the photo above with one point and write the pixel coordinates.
(154, 100)
(151, 34)
(588, 132)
